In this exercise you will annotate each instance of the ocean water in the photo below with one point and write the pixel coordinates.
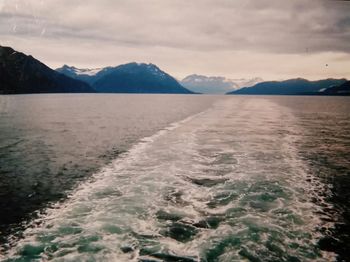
(186, 178)
(50, 143)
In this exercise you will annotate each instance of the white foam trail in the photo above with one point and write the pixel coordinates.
(99, 182)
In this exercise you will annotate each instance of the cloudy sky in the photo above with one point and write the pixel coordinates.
(233, 38)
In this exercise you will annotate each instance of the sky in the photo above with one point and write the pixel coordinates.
(271, 39)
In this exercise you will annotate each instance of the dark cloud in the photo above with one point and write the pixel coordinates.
(196, 27)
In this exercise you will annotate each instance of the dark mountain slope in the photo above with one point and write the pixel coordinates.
(343, 89)
(22, 74)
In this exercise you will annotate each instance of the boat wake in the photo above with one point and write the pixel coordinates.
(226, 184)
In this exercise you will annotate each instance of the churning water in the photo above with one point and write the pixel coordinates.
(235, 181)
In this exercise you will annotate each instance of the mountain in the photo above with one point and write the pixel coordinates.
(343, 89)
(215, 84)
(127, 78)
(243, 82)
(298, 86)
(23, 74)
(208, 85)
(87, 75)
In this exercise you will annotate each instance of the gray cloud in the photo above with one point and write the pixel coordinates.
(270, 27)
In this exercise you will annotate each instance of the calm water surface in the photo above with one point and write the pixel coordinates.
(175, 178)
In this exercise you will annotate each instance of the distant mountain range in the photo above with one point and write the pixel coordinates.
(298, 86)
(215, 84)
(22, 74)
(127, 78)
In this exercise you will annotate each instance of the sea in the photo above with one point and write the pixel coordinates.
(118, 177)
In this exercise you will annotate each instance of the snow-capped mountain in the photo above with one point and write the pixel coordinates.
(243, 82)
(84, 71)
(84, 74)
(215, 84)
(127, 78)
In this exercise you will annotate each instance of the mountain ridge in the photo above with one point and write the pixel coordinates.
(295, 86)
(128, 78)
(23, 74)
